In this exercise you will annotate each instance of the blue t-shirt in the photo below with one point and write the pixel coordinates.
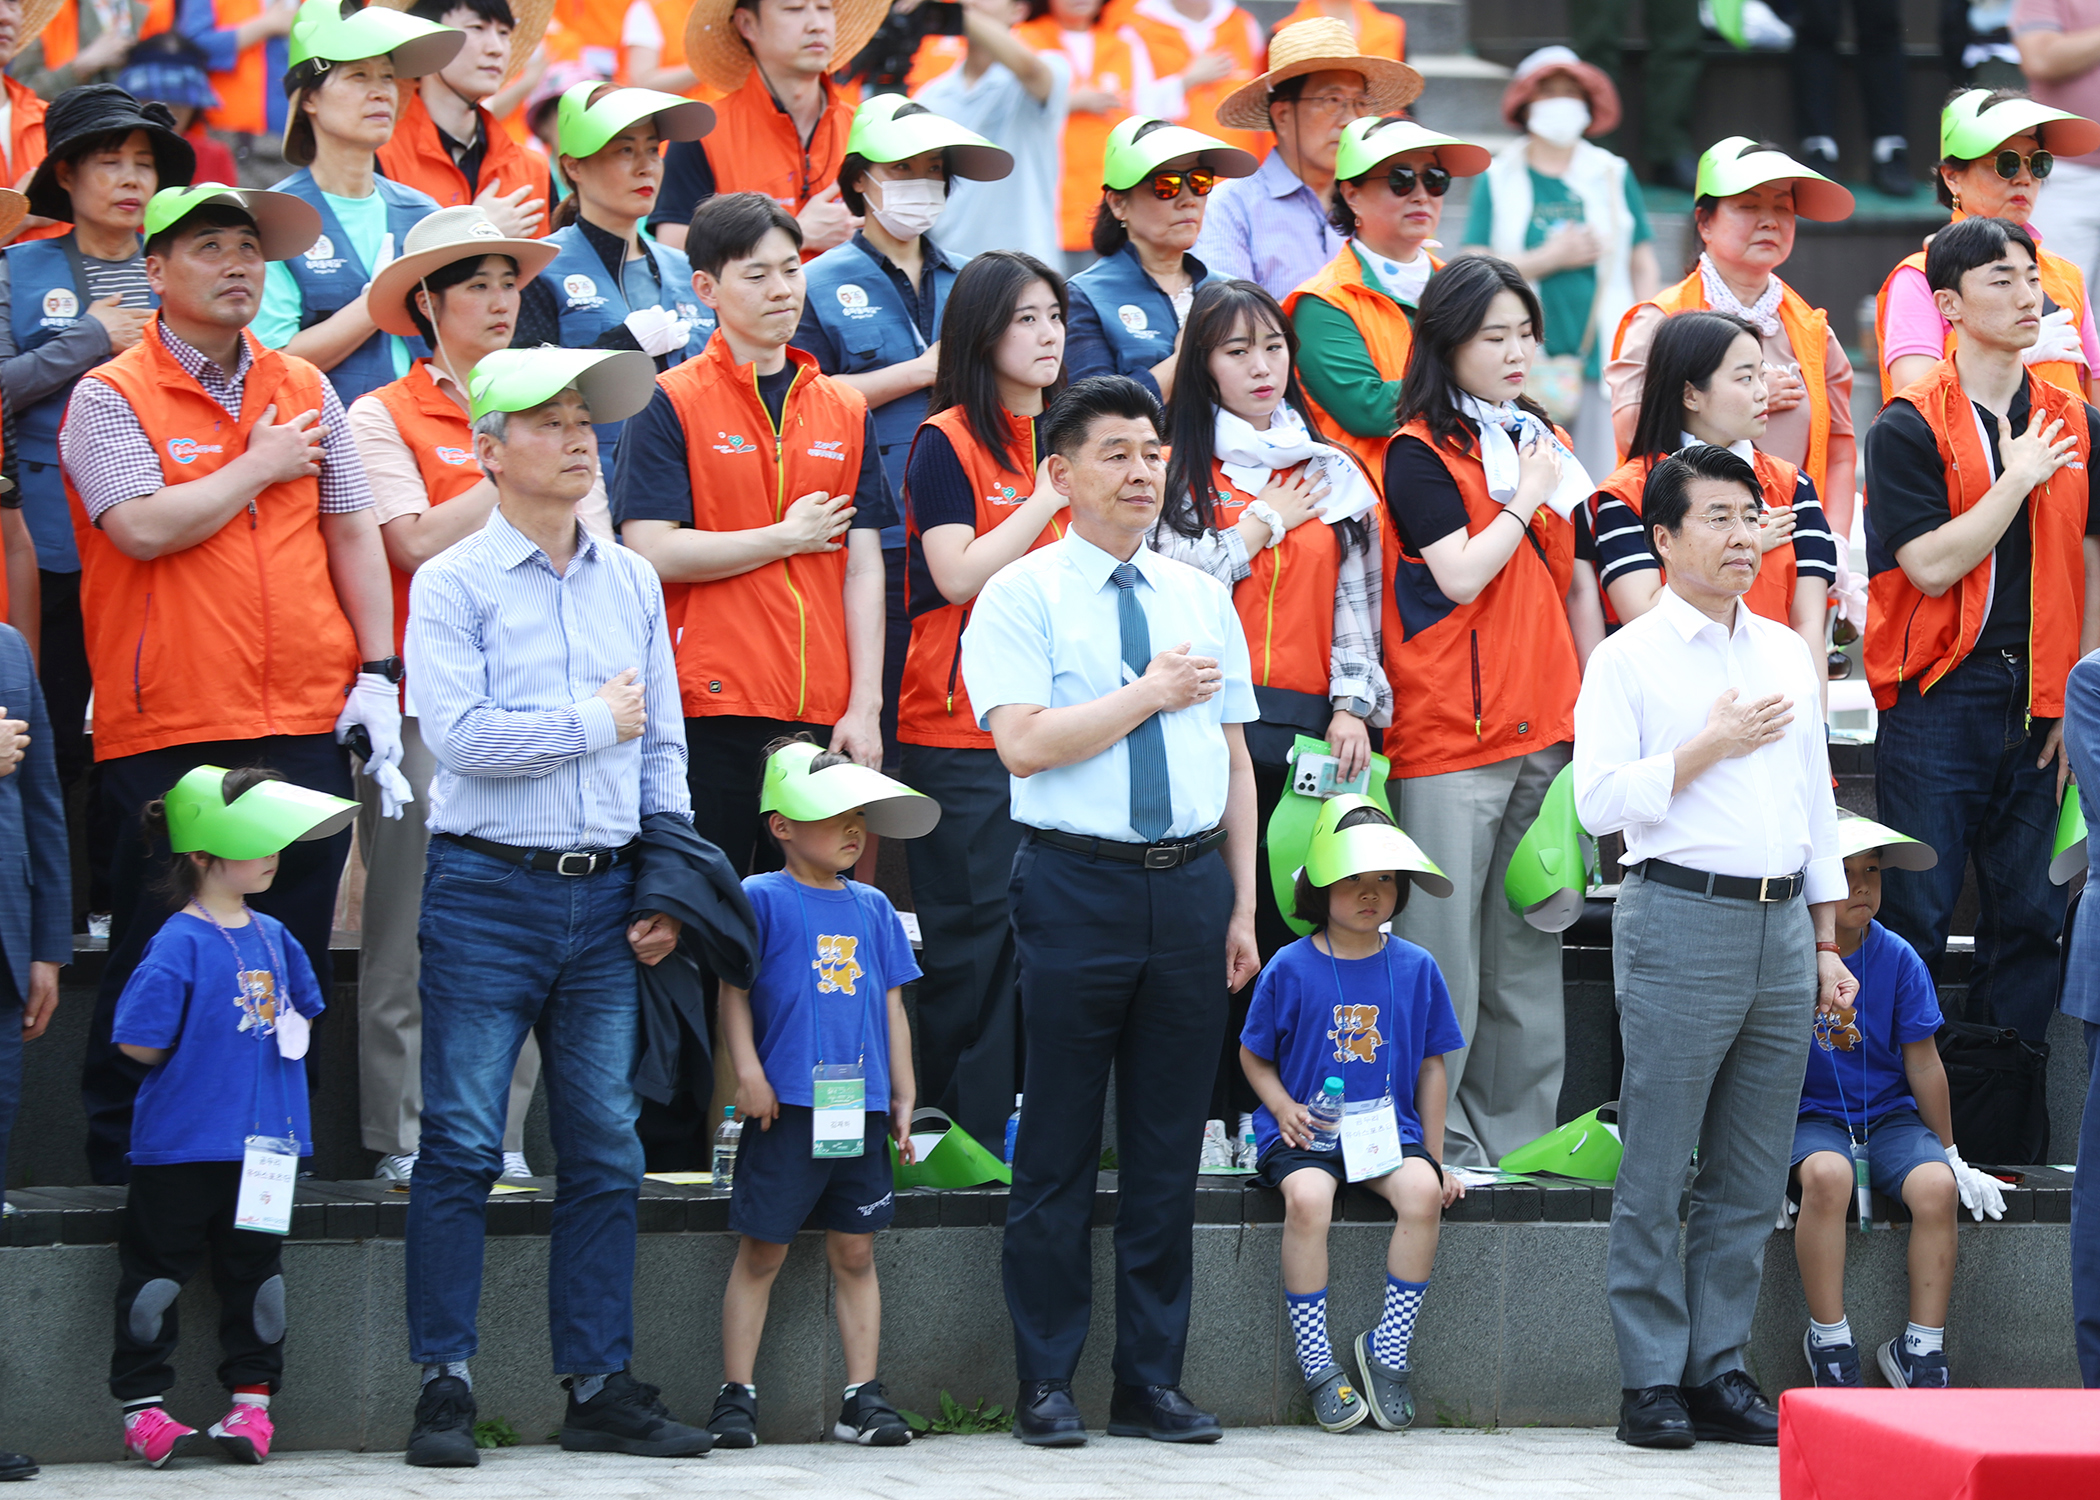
(827, 963)
(1368, 1021)
(1896, 1004)
(224, 1080)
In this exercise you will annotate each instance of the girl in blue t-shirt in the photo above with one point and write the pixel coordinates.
(1354, 1004)
(217, 1010)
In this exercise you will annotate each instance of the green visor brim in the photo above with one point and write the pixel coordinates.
(894, 810)
(1967, 137)
(415, 46)
(1858, 836)
(1368, 847)
(1129, 162)
(261, 821)
(968, 154)
(614, 383)
(1723, 173)
(2070, 855)
(582, 132)
(1548, 876)
(1587, 1149)
(286, 225)
(1364, 150)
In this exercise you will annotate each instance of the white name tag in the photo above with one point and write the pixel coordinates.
(839, 1113)
(269, 1177)
(1370, 1138)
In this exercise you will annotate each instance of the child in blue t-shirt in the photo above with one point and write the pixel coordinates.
(822, 1052)
(217, 1009)
(1353, 1003)
(1875, 1085)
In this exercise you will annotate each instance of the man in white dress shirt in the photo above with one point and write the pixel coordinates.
(1698, 734)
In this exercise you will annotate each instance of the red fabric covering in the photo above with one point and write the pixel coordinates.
(1939, 1445)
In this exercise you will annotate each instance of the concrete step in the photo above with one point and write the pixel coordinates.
(1462, 95)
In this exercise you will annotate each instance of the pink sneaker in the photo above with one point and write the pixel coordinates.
(155, 1436)
(245, 1432)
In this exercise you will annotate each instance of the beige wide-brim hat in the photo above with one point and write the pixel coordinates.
(14, 208)
(532, 17)
(36, 15)
(1318, 46)
(439, 239)
(717, 54)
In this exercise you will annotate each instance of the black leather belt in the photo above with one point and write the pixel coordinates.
(574, 862)
(1736, 887)
(1165, 855)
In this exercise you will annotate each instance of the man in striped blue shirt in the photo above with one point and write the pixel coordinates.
(549, 698)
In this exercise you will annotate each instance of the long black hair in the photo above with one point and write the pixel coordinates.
(1453, 308)
(1688, 349)
(1217, 313)
(979, 310)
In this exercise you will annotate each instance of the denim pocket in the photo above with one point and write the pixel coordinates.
(458, 865)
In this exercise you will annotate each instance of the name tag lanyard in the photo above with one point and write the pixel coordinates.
(1370, 1127)
(1862, 1174)
(838, 1092)
(269, 1164)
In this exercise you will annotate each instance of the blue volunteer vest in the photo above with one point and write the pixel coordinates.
(861, 311)
(589, 300)
(50, 295)
(1136, 315)
(331, 277)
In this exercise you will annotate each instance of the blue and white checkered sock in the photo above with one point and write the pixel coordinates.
(1403, 1299)
(1309, 1330)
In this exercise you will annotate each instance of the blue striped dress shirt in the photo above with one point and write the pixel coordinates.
(507, 657)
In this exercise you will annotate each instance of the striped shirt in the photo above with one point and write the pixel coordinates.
(1269, 228)
(1622, 541)
(507, 656)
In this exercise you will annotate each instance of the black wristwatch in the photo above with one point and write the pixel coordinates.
(388, 667)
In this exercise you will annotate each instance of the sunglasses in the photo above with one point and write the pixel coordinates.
(1167, 186)
(2008, 163)
(1435, 181)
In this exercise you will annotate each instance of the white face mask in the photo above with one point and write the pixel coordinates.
(908, 209)
(1560, 121)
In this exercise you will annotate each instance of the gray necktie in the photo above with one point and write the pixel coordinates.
(1151, 805)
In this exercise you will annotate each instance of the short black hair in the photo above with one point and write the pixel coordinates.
(1961, 248)
(1666, 499)
(210, 216)
(435, 11)
(1073, 415)
(853, 166)
(1309, 901)
(729, 226)
(438, 282)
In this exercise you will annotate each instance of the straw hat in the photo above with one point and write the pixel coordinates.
(716, 52)
(532, 17)
(436, 240)
(36, 15)
(14, 208)
(1316, 46)
(1545, 63)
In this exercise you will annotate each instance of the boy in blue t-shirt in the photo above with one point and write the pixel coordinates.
(1353, 1003)
(822, 1052)
(1875, 1085)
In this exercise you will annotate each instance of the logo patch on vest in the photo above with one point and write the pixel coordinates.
(831, 448)
(452, 455)
(733, 442)
(60, 302)
(321, 258)
(583, 292)
(1134, 319)
(854, 301)
(1005, 494)
(186, 450)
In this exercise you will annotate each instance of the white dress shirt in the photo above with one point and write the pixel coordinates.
(1046, 631)
(1647, 690)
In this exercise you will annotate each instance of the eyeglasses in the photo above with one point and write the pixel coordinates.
(1167, 186)
(1338, 106)
(1435, 181)
(1748, 520)
(2008, 164)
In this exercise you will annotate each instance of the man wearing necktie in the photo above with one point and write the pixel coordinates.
(1129, 772)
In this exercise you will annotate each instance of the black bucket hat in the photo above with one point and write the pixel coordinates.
(90, 113)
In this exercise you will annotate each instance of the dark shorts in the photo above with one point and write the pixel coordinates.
(1280, 1160)
(779, 1185)
(1897, 1143)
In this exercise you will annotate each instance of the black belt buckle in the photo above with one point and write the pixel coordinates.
(1162, 856)
(590, 864)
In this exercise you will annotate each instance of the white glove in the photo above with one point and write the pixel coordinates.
(376, 704)
(394, 790)
(1980, 1193)
(2058, 340)
(1849, 598)
(657, 331)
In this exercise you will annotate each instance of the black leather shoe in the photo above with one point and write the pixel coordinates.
(444, 1432)
(1046, 1416)
(1654, 1417)
(1731, 1409)
(1159, 1412)
(17, 1466)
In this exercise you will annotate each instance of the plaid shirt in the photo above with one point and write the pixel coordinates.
(106, 453)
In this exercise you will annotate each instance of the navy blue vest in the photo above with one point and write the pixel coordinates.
(1136, 316)
(331, 277)
(49, 294)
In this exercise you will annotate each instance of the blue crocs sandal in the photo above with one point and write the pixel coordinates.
(1391, 1406)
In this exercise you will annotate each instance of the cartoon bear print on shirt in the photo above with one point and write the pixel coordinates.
(1355, 1035)
(836, 965)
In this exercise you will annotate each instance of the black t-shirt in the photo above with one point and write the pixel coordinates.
(937, 492)
(1907, 497)
(1423, 499)
(689, 178)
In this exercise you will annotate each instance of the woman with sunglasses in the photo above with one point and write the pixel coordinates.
(975, 498)
(1750, 194)
(1128, 306)
(1997, 149)
(1494, 614)
(1259, 501)
(1356, 318)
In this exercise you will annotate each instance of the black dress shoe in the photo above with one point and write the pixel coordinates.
(1731, 1409)
(1046, 1416)
(1654, 1417)
(1159, 1412)
(1892, 177)
(17, 1466)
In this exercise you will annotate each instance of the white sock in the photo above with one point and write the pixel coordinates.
(1886, 146)
(1829, 1335)
(850, 1390)
(1918, 1339)
(251, 1398)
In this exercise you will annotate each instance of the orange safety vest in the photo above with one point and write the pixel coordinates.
(595, 24)
(417, 158)
(934, 56)
(1912, 637)
(239, 636)
(25, 151)
(1388, 333)
(770, 643)
(933, 705)
(243, 104)
(437, 432)
(754, 147)
(1086, 135)
(2062, 283)
(1807, 329)
(1772, 595)
(1493, 679)
(1286, 601)
(1379, 33)
(1239, 38)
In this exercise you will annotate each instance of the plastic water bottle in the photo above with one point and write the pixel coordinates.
(728, 1136)
(1013, 1129)
(1326, 1110)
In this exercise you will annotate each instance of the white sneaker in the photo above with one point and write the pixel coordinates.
(514, 1164)
(396, 1168)
(1217, 1149)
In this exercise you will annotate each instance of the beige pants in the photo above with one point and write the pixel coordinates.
(389, 1006)
(1504, 974)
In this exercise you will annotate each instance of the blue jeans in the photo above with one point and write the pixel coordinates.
(2085, 1223)
(1956, 768)
(507, 950)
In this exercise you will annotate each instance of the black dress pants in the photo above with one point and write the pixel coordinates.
(1878, 27)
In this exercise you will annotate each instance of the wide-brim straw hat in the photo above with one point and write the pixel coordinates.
(1531, 76)
(531, 16)
(36, 15)
(451, 234)
(718, 57)
(14, 208)
(1317, 46)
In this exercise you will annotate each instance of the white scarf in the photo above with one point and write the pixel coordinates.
(1763, 314)
(1501, 428)
(1250, 457)
(1742, 448)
